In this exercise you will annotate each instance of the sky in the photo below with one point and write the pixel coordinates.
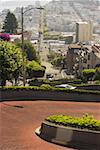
(12, 4)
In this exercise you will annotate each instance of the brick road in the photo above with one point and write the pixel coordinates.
(18, 124)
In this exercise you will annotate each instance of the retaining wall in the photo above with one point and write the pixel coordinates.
(47, 95)
(90, 87)
(77, 138)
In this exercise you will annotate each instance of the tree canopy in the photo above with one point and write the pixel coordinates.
(10, 24)
(10, 61)
(29, 50)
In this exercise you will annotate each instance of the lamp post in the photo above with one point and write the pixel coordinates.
(22, 40)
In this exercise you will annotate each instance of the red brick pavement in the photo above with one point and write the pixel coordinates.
(18, 124)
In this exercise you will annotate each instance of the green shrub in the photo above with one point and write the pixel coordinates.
(30, 51)
(88, 74)
(46, 86)
(34, 69)
(97, 74)
(86, 121)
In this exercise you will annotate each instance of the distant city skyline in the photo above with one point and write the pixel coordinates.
(12, 4)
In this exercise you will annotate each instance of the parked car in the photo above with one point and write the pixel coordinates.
(49, 76)
(67, 86)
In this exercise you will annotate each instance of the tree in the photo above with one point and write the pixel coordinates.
(10, 61)
(10, 23)
(29, 50)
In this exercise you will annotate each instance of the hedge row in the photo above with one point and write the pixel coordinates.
(46, 87)
(85, 122)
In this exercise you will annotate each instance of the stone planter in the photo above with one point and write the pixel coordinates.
(71, 137)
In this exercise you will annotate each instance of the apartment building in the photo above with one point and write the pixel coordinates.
(81, 57)
(84, 31)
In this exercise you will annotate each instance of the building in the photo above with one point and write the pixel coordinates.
(95, 56)
(73, 58)
(84, 31)
(81, 57)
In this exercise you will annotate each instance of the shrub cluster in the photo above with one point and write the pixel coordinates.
(85, 122)
(46, 87)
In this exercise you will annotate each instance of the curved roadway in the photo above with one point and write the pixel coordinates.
(18, 124)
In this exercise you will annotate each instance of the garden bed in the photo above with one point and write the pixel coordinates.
(85, 135)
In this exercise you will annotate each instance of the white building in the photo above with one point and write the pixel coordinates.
(84, 31)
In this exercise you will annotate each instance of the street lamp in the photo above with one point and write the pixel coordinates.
(22, 39)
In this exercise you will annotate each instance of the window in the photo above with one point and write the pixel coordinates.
(88, 66)
(88, 57)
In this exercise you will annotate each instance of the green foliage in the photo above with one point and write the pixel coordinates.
(10, 23)
(10, 61)
(79, 91)
(97, 74)
(51, 37)
(52, 55)
(86, 121)
(34, 69)
(29, 50)
(56, 59)
(46, 86)
(33, 65)
(88, 74)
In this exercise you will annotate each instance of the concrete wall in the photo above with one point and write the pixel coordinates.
(73, 137)
(47, 95)
(90, 87)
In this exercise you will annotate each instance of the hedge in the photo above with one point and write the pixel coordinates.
(85, 122)
(48, 88)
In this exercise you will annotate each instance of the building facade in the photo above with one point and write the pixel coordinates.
(84, 31)
(81, 57)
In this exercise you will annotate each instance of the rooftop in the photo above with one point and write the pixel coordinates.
(75, 46)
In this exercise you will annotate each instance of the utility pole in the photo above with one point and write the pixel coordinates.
(22, 40)
(41, 24)
(23, 57)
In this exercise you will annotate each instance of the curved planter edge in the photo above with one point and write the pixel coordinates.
(71, 137)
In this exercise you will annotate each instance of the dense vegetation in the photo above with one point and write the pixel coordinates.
(91, 74)
(10, 61)
(56, 59)
(34, 69)
(46, 87)
(86, 121)
(29, 50)
(88, 74)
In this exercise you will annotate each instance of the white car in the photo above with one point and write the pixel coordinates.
(67, 86)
